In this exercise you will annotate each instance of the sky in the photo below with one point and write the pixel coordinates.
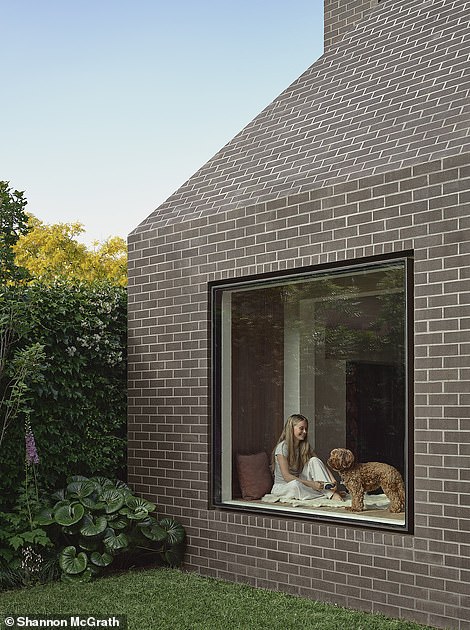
(109, 106)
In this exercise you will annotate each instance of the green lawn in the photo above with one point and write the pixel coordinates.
(164, 599)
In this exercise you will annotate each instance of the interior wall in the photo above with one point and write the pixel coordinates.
(257, 372)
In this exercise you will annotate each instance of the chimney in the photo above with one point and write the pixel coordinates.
(341, 16)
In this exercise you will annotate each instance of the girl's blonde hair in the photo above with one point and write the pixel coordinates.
(296, 457)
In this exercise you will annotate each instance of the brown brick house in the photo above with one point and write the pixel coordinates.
(319, 263)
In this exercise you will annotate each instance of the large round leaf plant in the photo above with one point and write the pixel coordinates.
(96, 519)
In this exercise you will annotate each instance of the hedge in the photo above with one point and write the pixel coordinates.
(78, 408)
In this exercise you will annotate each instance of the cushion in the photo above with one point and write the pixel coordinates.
(254, 475)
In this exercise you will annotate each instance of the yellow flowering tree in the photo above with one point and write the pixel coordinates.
(52, 252)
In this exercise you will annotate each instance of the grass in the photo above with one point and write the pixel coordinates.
(164, 599)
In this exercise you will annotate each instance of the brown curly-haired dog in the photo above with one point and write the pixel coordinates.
(360, 478)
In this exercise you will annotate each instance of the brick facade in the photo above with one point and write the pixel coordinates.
(341, 15)
(300, 187)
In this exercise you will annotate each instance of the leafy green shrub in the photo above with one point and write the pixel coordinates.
(77, 407)
(94, 520)
(26, 552)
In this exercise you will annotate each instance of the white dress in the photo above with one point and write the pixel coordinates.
(314, 470)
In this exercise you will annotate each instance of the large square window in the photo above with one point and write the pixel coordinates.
(330, 344)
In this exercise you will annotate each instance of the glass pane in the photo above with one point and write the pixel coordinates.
(331, 346)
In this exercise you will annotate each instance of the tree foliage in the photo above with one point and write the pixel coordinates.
(62, 349)
(13, 224)
(52, 252)
(20, 363)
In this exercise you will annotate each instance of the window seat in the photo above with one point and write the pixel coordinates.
(376, 508)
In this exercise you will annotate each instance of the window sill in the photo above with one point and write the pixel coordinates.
(378, 518)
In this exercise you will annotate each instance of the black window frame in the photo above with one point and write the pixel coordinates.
(215, 290)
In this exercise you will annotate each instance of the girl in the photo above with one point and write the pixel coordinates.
(298, 473)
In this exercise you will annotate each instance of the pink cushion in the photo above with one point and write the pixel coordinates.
(254, 475)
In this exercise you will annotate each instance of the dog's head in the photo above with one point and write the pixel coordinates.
(340, 459)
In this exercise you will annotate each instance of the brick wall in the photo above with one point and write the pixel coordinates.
(341, 16)
(425, 208)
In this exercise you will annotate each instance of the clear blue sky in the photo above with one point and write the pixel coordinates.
(108, 106)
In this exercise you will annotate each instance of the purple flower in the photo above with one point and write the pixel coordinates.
(32, 456)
